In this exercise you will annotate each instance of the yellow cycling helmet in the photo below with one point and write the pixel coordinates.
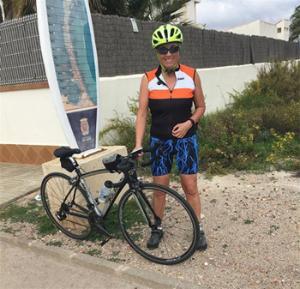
(166, 34)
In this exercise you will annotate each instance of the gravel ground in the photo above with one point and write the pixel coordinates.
(252, 223)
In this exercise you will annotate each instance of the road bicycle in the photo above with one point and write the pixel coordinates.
(71, 206)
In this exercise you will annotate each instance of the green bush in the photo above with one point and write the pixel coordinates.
(121, 131)
(276, 84)
(244, 134)
(259, 130)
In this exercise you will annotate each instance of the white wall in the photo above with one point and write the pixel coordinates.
(252, 28)
(217, 83)
(262, 28)
(29, 117)
(268, 30)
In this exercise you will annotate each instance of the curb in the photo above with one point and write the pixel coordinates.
(147, 278)
(7, 203)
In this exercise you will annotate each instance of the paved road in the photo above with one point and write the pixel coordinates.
(17, 180)
(21, 268)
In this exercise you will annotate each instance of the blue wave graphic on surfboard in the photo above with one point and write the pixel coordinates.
(74, 61)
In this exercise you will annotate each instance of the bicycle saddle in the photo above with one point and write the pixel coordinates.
(65, 152)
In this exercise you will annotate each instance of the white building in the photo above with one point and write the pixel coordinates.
(189, 13)
(283, 29)
(279, 30)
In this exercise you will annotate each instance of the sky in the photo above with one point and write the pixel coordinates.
(225, 14)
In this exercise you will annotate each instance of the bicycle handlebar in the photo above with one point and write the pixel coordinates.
(112, 163)
(135, 154)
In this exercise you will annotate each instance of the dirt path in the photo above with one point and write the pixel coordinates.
(252, 222)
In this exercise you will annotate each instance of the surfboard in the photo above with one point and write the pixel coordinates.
(70, 59)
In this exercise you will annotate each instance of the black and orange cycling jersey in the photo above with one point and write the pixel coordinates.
(170, 107)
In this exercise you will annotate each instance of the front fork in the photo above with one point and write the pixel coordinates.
(143, 203)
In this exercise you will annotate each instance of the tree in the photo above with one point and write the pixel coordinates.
(18, 8)
(157, 10)
(1, 11)
(95, 6)
(166, 11)
(139, 9)
(108, 7)
(295, 25)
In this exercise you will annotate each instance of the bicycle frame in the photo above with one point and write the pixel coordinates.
(131, 180)
(134, 201)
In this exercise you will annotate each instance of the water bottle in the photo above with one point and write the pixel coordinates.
(106, 193)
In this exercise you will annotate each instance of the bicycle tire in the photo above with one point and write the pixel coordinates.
(179, 223)
(54, 190)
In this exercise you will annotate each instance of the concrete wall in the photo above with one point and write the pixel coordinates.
(268, 30)
(258, 27)
(252, 28)
(29, 117)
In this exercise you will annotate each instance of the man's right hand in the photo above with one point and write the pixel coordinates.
(137, 149)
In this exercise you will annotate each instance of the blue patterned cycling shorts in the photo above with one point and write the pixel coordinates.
(185, 149)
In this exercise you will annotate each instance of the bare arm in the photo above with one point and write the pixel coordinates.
(181, 129)
(198, 100)
(141, 118)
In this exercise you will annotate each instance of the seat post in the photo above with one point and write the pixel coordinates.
(76, 165)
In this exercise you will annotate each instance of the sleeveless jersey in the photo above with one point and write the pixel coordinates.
(170, 107)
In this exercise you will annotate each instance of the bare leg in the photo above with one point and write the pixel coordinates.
(189, 185)
(159, 198)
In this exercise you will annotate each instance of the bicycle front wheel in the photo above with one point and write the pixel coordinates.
(138, 216)
(66, 205)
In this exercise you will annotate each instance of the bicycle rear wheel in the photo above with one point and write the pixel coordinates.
(66, 205)
(179, 224)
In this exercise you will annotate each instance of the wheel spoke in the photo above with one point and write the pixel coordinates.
(178, 223)
(55, 188)
(75, 223)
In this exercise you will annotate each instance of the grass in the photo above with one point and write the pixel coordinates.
(32, 213)
(115, 258)
(8, 230)
(111, 224)
(93, 252)
(54, 243)
(272, 229)
(132, 216)
(248, 221)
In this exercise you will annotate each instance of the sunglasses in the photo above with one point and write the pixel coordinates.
(164, 50)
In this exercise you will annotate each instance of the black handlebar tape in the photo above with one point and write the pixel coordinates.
(150, 150)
